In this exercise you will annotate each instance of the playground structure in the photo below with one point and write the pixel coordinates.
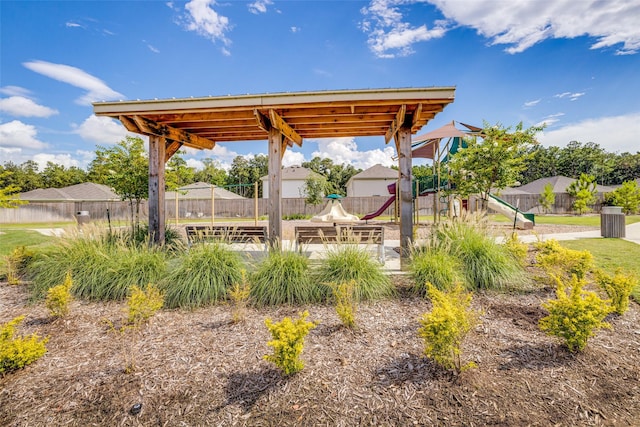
(334, 212)
(438, 146)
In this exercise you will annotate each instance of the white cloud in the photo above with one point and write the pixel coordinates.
(206, 22)
(389, 35)
(59, 159)
(151, 47)
(525, 22)
(96, 89)
(102, 130)
(345, 150)
(533, 103)
(295, 29)
(550, 120)
(20, 106)
(224, 156)
(571, 95)
(73, 25)
(259, 6)
(292, 158)
(15, 91)
(19, 135)
(614, 134)
(195, 163)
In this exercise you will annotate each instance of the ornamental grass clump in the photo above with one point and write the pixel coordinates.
(283, 277)
(348, 262)
(435, 265)
(444, 328)
(486, 264)
(618, 287)
(574, 316)
(288, 342)
(59, 297)
(18, 352)
(202, 276)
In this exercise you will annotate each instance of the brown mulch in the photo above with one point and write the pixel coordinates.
(197, 368)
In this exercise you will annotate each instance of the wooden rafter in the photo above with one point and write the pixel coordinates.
(263, 121)
(149, 127)
(172, 148)
(395, 125)
(279, 123)
(416, 118)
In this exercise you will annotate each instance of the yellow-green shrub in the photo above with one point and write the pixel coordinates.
(556, 260)
(517, 248)
(17, 352)
(239, 294)
(288, 342)
(446, 325)
(142, 304)
(59, 297)
(344, 294)
(618, 288)
(575, 316)
(16, 263)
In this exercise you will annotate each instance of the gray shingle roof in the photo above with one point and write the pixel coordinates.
(201, 190)
(377, 172)
(87, 191)
(559, 184)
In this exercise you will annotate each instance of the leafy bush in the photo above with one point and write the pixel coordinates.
(102, 269)
(556, 260)
(288, 342)
(444, 328)
(435, 265)
(18, 352)
(143, 303)
(517, 248)
(344, 295)
(627, 196)
(239, 294)
(346, 262)
(16, 264)
(618, 288)
(283, 277)
(574, 317)
(59, 297)
(202, 276)
(486, 264)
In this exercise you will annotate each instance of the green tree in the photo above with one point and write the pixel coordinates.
(493, 163)
(627, 196)
(337, 175)
(212, 173)
(547, 198)
(248, 170)
(57, 176)
(178, 174)
(314, 189)
(125, 168)
(584, 192)
(8, 196)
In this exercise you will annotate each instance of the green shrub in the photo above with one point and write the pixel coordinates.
(16, 264)
(143, 303)
(18, 352)
(283, 277)
(517, 248)
(434, 265)
(202, 276)
(344, 296)
(239, 294)
(288, 342)
(617, 287)
(574, 317)
(346, 262)
(486, 264)
(444, 328)
(102, 269)
(59, 297)
(556, 260)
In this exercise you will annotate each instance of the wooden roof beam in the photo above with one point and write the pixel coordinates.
(171, 148)
(150, 127)
(279, 123)
(395, 125)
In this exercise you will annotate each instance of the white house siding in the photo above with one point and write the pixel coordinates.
(369, 187)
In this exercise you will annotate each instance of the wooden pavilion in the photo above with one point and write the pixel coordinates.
(283, 119)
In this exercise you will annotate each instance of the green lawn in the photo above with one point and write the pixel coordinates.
(610, 254)
(586, 220)
(10, 239)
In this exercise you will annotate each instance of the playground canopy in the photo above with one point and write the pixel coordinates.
(429, 143)
(283, 119)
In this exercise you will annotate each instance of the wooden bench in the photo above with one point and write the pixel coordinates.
(226, 234)
(348, 234)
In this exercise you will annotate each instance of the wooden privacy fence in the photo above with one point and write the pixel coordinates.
(245, 208)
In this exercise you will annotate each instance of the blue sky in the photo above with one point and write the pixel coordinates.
(574, 65)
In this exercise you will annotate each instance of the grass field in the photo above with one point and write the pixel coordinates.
(585, 220)
(610, 254)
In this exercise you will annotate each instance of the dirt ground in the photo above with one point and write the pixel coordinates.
(197, 368)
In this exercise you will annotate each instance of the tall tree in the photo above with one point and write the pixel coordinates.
(178, 174)
(8, 196)
(492, 163)
(57, 176)
(584, 192)
(245, 171)
(212, 173)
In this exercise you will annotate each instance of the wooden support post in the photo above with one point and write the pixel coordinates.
(255, 203)
(275, 187)
(157, 149)
(403, 144)
(213, 204)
